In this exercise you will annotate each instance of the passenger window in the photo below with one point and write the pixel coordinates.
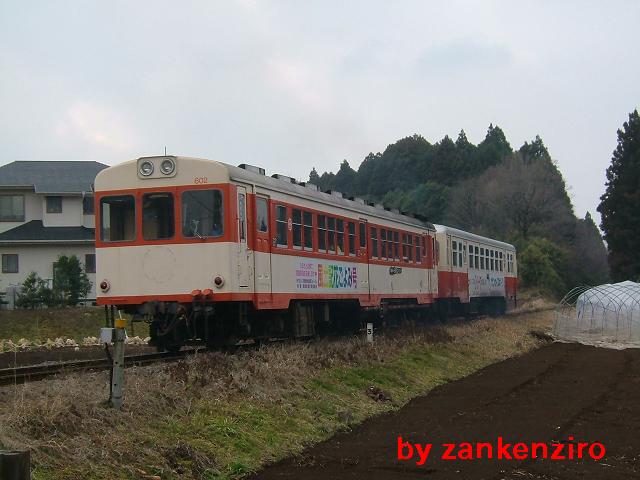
(383, 243)
(471, 264)
(418, 250)
(296, 223)
(242, 217)
(118, 218)
(363, 236)
(374, 243)
(410, 248)
(396, 245)
(281, 226)
(202, 213)
(157, 216)
(308, 230)
(352, 238)
(454, 253)
(261, 214)
(331, 234)
(322, 233)
(340, 236)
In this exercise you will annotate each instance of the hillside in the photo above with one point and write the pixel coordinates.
(490, 189)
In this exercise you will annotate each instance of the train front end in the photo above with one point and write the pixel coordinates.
(164, 243)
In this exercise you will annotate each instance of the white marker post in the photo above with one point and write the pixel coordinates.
(117, 383)
(369, 332)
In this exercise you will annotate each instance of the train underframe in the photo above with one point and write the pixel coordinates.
(220, 325)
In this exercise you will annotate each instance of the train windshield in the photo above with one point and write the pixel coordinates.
(157, 216)
(118, 214)
(202, 213)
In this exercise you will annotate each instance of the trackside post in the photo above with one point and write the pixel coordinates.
(117, 383)
(369, 332)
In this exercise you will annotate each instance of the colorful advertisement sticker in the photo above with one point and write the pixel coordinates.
(312, 275)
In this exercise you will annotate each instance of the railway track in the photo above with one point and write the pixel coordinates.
(30, 373)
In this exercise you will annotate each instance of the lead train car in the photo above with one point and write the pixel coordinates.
(212, 252)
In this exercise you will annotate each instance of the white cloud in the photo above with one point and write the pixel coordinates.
(100, 127)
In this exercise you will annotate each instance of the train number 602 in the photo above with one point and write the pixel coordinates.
(200, 180)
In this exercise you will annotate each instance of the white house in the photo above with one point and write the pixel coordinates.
(46, 210)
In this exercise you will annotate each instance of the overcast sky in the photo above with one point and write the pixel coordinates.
(289, 85)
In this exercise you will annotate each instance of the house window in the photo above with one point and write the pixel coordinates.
(87, 206)
(11, 208)
(9, 263)
(54, 204)
(90, 263)
(157, 216)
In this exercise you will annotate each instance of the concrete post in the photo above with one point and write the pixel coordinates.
(369, 332)
(117, 383)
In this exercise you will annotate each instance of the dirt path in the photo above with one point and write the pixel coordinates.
(545, 396)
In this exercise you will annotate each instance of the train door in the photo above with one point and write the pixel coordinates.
(363, 253)
(262, 250)
(244, 255)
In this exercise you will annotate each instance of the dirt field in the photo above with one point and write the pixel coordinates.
(547, 395)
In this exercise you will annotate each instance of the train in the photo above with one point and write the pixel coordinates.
(215, 253)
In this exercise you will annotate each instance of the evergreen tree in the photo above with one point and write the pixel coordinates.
(620, 204)
(314, 177)
(534, 150)
(70, 282)
(345, 179)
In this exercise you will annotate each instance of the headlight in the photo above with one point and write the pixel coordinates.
(167, 166)
(146, 168)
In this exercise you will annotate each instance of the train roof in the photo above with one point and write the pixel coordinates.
(112, 178)
(473, 237)
(310, 191)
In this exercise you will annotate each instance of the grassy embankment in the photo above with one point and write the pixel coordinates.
(39, 325)
(221, 416)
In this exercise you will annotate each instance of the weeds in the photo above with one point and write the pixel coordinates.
(218, 415)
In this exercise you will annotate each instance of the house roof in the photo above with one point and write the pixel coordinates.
(51, 176)
(35, 232)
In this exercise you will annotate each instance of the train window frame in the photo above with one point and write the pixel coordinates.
(418, 246)
(307, 230)
(322, 233)
(296, 228)
(281, 226)
(362, 231)
(185, 201)
(331, 235)
(374, 241)
(262, 215)
(340, 248)
(470, 256)
(383, 244)
(351, 227)
(147, 216)
(131, 222)
(396, 245)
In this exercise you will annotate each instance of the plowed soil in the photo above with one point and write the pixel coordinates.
(557, 391)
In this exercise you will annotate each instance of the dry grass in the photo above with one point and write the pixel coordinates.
(37, 326)
(218, 415)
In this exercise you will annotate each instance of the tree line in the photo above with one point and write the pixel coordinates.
(490, 189)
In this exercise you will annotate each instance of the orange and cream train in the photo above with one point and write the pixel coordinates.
(215, 253)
